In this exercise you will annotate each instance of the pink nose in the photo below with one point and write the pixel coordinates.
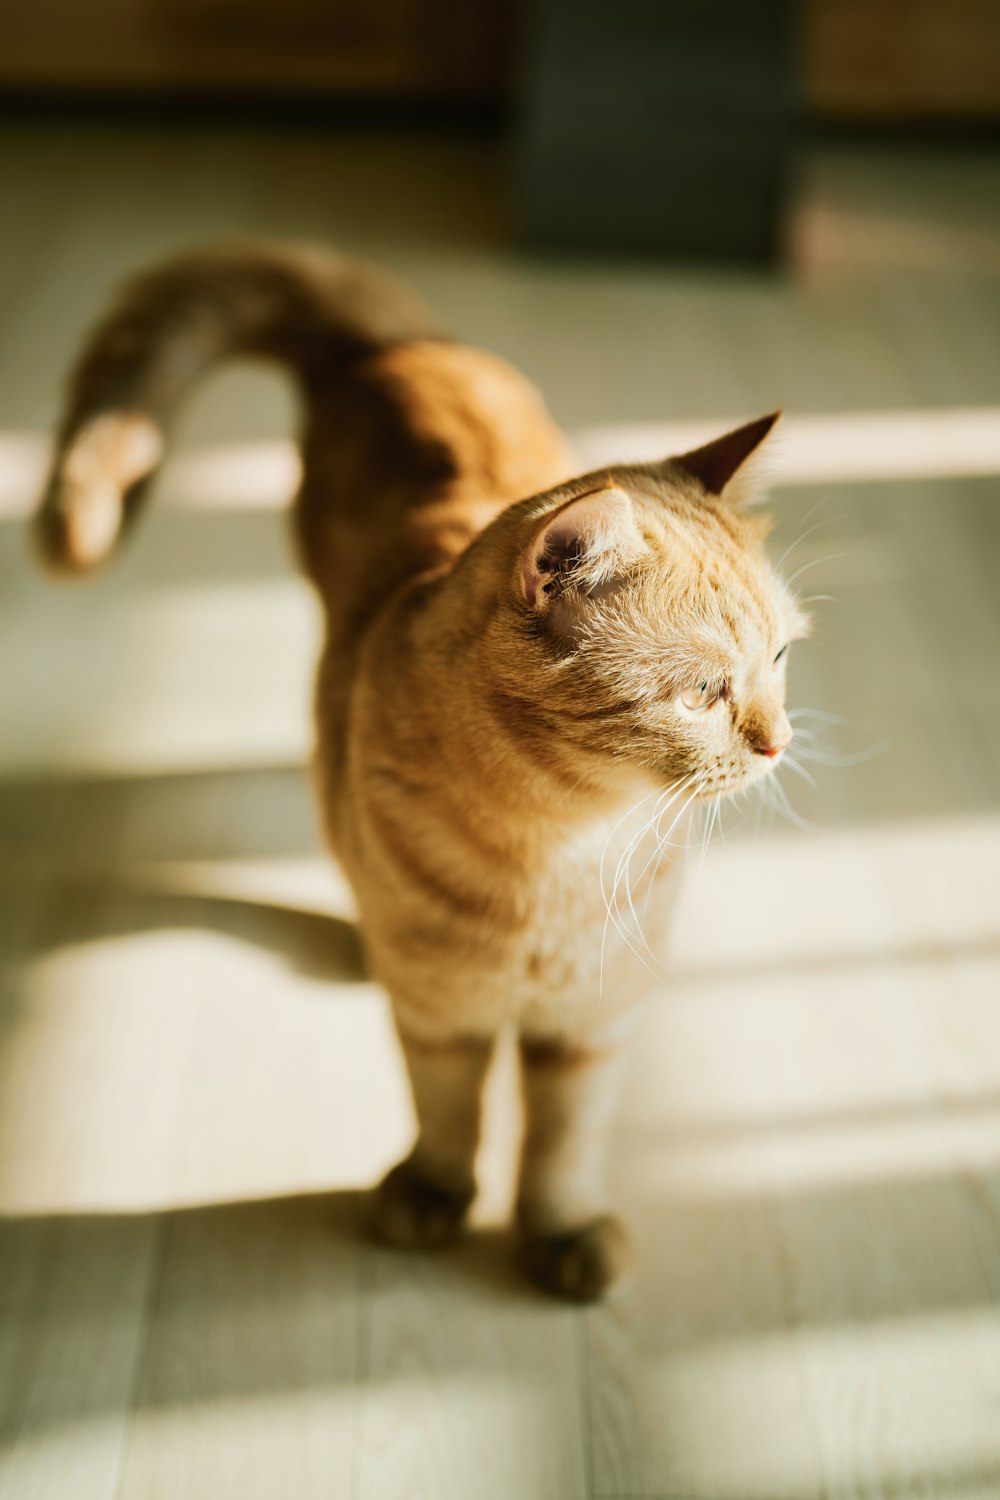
(771, 750)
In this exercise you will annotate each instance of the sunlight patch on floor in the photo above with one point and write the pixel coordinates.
(761, 1435)
(829, 448)
(239, 969)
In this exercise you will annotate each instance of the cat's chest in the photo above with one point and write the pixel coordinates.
(591, 938)
(568, 937)
(601, 907)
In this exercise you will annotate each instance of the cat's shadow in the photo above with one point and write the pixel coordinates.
(318, 945)
(110, 877)
(278, 1288)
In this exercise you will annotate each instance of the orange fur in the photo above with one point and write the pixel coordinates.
(503, 678)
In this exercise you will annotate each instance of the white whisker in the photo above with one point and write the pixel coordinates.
(614, 911)
(651, 826)
(706, 831)
(810, 531)
(819, 599)
(607, 844)
(663, 842)
(793, 765)
(785, 807)
(815, 562)
(829, 718)
(837, 759)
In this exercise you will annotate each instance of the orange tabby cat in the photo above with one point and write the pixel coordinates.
(503, 679)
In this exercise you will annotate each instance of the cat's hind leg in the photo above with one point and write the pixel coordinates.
(423, 1201)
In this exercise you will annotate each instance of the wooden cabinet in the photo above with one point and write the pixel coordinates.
(875, 59)
(392, 49)
(884, 59)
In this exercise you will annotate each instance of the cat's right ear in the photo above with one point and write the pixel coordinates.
(581, 548)
(731, 467)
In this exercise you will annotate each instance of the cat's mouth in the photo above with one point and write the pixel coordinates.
(730, 779)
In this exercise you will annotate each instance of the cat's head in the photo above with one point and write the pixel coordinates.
(644, 626)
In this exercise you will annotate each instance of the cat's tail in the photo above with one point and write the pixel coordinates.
(303, 306)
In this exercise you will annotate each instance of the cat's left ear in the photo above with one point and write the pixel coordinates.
(730, 467)
(581, 548)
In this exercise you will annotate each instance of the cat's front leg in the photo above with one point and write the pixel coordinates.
(572, 1243)
(423, 1201)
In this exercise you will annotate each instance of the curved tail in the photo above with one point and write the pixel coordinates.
(306, 307)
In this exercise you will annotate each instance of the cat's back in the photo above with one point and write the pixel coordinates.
(407, 457)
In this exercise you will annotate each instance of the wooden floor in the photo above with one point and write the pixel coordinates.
(197, 1082)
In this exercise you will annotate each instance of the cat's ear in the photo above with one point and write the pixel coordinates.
(730, 467)
(582, 547)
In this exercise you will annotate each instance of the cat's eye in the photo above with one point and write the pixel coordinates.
(704, 695)
(781, 653)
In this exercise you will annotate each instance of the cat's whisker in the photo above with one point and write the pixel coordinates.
(627, 939)
(640, 833)
(663, 840)
(786, 809)
(819, 599)
(709, 828)
(824, 714)
(651, 826)
(767, 802)
(756, 803)
(800, 770)
(623, 875)
(621, 821)
(703, 832)
(809, 531)
(612, 914)
(840, 759)
(626, 881)
(659, 853)
(663, 844)
(815, 562)
(609, 917)
(815, 750)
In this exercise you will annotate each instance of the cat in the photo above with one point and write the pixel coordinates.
(528, 676)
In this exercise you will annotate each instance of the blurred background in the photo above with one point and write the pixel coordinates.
(673, 217)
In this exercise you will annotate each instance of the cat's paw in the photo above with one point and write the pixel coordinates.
(582, 1264)
(414, 1214)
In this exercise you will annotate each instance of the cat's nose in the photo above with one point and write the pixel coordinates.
(774, 734)
(767, 730)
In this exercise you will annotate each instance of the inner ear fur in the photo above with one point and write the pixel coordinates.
(583, 544)
(722, 467)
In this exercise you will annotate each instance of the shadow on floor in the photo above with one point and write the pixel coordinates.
(189, 1312)
(319, 945)
(227, 1300)
(232, 1290)
(323, 946)
(253, 812)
